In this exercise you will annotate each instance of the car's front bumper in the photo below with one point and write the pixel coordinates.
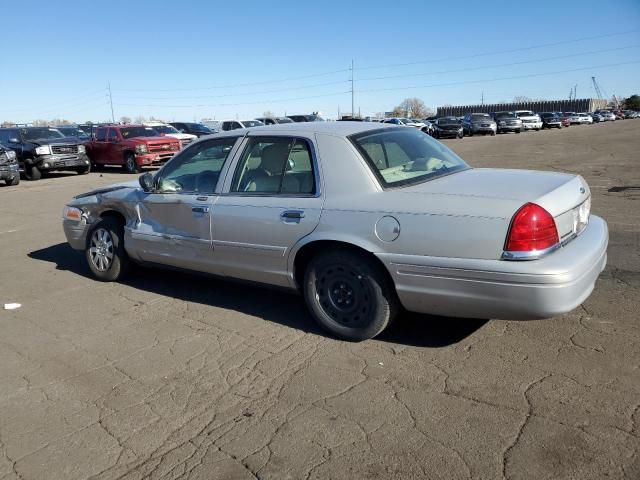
(509, 128)
(9, 171)
(483, 129)
(154, 158)
(501, 289)
(62, 162)
(552, 124)
(532, 126)
(76, 233)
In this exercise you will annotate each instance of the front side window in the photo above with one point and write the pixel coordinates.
(6, 135)
(406, 156)
(101, 135)
(196, 169)
(275, 165)
(113, 135)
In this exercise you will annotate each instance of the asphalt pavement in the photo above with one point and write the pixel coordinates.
(171, 375)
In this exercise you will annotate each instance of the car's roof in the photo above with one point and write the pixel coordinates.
(333, 128)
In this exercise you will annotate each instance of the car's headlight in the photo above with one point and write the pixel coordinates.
(11, 155)
(141, 148)
(82, 149)
(43, 150)
(72, 213)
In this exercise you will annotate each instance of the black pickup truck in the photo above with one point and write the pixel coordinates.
(44, 149)
(9, 171)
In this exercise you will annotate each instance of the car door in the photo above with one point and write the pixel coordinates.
(113, 147)
(270, 200)
(174, 220)
(97, 150)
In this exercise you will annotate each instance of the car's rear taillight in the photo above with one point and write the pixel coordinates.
(532, 230)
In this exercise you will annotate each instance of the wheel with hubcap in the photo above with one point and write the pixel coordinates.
(105, 251)
(130, 164)
(31, 172)
(349, 295)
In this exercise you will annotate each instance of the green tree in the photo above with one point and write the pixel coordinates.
(633, 102)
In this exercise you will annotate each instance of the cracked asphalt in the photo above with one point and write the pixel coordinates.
(171, 375)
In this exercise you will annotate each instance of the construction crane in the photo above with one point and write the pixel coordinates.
(598, 90)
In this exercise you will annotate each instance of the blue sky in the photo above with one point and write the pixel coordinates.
(204, 59)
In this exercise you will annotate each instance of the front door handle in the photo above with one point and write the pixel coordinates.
(292, 214)
(200, 209)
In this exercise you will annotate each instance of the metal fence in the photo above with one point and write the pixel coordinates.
(578, 105)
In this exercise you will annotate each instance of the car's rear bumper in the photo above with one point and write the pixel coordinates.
(470, 288)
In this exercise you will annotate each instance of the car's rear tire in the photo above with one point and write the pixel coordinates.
(130, 164)
(105, 253)
(349, 295)
(32, 173)
(14, 181)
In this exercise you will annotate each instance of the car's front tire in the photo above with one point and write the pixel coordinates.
(105, 253)
(83, 170)
(13, 181)
(31, 172)
(130, 164)
(349, 295)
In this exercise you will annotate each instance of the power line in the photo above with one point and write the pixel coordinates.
(261, 102)
(515, 77)
(54, 105)
(499, 65)
(264, 82)
(500, 52)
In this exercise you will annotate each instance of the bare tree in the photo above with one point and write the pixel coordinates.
(268, 113)
(140, 119)
(521, 99)
(7, 124)
(125, 120)
(411, 108)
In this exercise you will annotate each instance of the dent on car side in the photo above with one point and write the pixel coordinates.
(440, 241)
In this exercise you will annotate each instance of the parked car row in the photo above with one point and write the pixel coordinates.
(33, 151)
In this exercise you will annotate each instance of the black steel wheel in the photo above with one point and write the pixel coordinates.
(349, 295)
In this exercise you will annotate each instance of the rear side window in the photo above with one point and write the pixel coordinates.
(5, 135)
(405, 156)
(275, 165)
(101, 135)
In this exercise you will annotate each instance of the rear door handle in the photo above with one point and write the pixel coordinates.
(292, 215)
(200, 209)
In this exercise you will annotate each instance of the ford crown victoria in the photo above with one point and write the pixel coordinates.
(363, 219)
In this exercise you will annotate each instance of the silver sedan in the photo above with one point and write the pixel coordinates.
(363, 219)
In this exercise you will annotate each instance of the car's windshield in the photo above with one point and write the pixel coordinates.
(284, 120)
(131, 132)
(525, 113)
(448, 121)
(73, 132)
(41, 133)
(403, 156)
(480, 116)
(252, 123)
(164, 129)
(505, 115)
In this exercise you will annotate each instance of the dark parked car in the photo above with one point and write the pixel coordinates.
(478, 123)
(306, 118)
(448, 127)
(507, 122)
(45, 149)
(192, 128)
(9, 171)
(274, 120)
(550, 120)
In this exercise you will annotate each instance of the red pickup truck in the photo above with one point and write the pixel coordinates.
(132, 146)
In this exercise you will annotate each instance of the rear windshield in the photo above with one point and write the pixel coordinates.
(252, 123)
(73, 132)
(402, 156)
(481, 116)
(132, 132)
(505, 115)
(448, 121)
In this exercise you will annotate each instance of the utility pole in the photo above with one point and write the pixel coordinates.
(353, 108)
(575, 91)
(113, 117)
(482, 100)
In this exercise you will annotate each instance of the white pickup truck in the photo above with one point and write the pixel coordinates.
(530, 120)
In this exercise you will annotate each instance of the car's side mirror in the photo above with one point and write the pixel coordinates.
(146, 182)
(14, 140)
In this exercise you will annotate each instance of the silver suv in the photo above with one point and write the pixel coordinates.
(478, 123)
